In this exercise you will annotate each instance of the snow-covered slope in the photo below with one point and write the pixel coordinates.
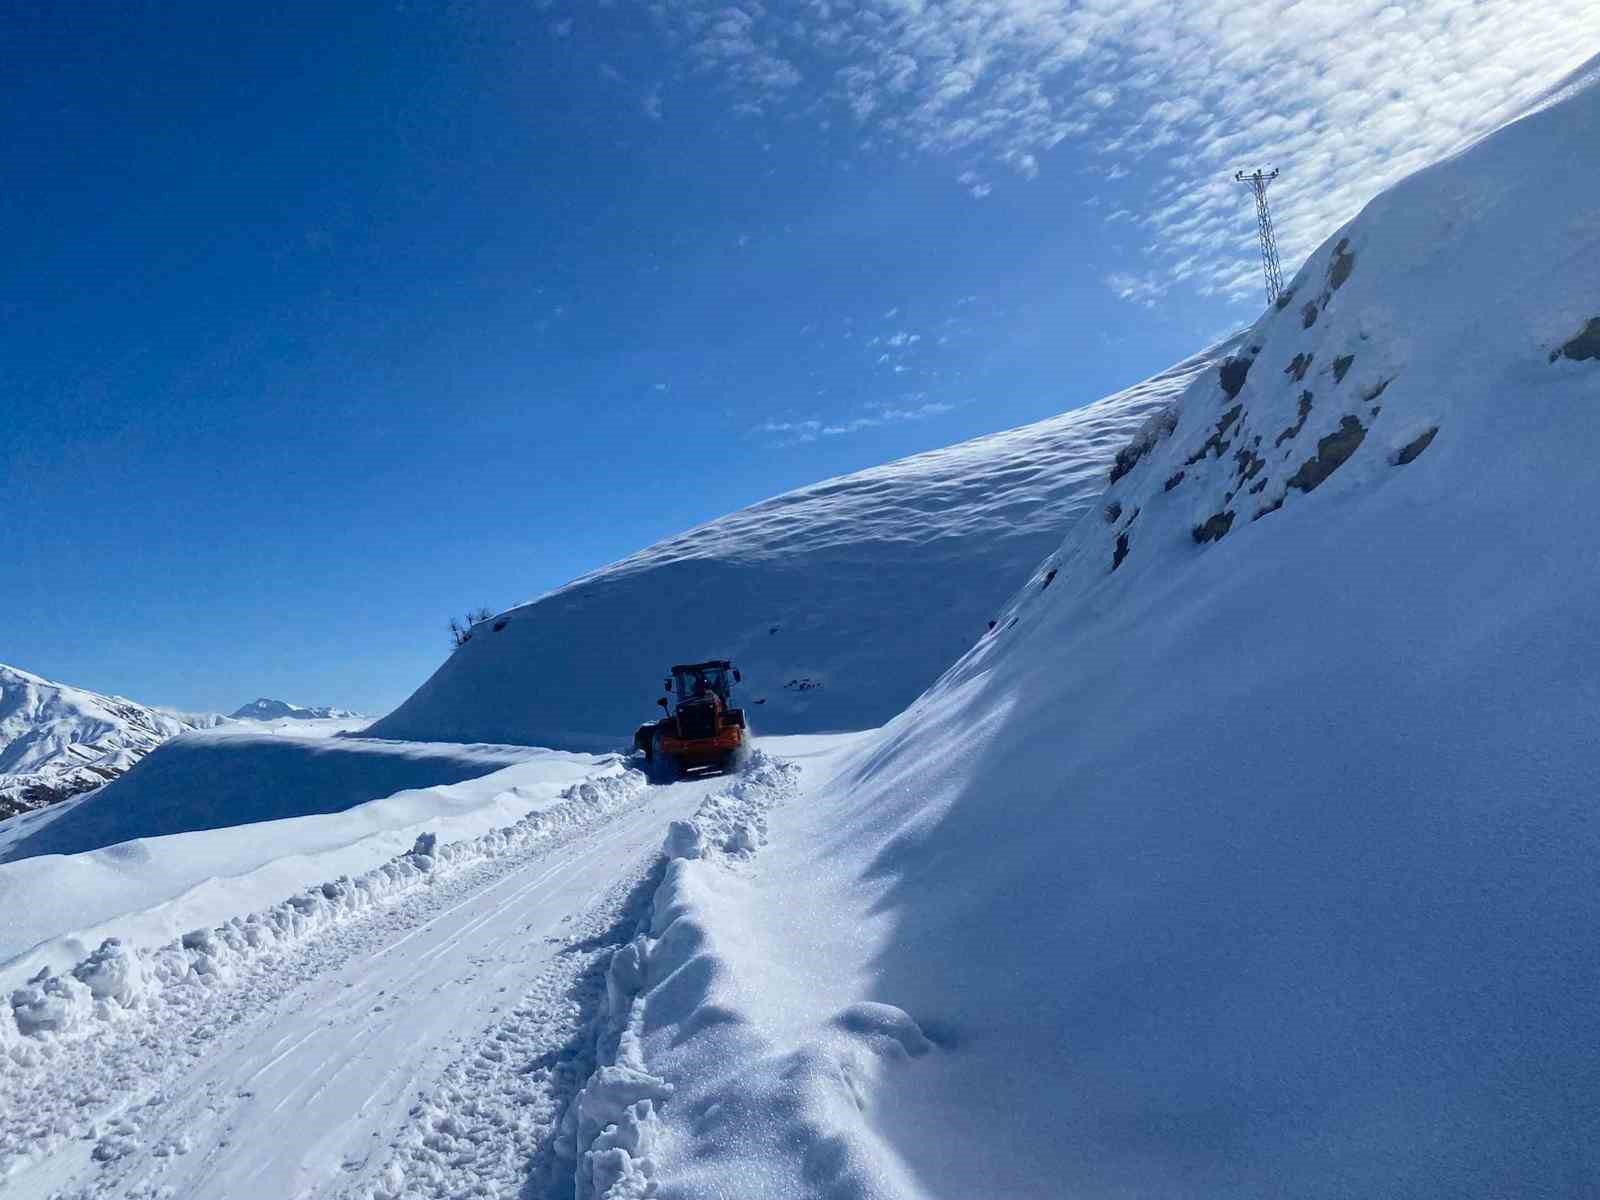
(58, 741)
(274, 710)
(840, 602)
(1254, 853)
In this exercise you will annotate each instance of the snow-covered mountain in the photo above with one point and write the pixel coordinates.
(839, 602)
(58, 741)
(1253, 853)
(264, 709)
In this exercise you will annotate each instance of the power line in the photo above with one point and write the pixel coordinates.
(1270, 269)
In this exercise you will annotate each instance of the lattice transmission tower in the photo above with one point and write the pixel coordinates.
(1257, 183)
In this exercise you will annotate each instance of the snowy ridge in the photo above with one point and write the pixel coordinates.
(840, 602)
(58, 741)
(609, 1132)
(117, 978)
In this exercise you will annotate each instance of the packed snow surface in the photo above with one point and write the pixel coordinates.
(58, 741)
(840, 602)
(420, 1028)
(1253, 853)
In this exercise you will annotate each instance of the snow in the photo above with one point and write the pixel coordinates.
(265, 709)
(1257, 859)
(138, 859)
(58, 741)
(1250, 853)
(839, 602)
(321, 1047)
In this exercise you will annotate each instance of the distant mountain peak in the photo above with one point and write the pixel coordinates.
(266, 709)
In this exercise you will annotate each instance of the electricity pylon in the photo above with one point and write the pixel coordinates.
(1270, 269)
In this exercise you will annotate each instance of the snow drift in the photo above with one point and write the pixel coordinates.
(840, 602)
(1253, 852)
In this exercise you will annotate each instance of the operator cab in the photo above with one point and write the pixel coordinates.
(696, 681)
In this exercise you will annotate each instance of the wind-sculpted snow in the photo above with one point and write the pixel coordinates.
(840, 602)
(1252, 853)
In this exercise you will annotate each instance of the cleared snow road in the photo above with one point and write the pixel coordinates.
(347, 1068)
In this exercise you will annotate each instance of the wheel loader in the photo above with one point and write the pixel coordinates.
(704, 731)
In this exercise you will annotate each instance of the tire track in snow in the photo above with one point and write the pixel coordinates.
(146, 1091)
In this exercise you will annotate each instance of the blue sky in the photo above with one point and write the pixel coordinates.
(322, 323)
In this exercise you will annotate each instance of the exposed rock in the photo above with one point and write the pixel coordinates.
(1332, 452)
(1294, 430)
(1151, 432)
(1585, 346)
(1250, 463)
(1121, 552)
(1340, 265)
(1342, 365)
(1298, 366)
(1232, 374)
(1215, 442)
(1215, 527)
(1409, 452)
(1308, 315)
(1173, 482)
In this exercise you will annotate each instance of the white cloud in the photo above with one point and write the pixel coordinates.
(651, 106)
(1343, 95)
(1140, 289)
(912, 407)
(888, 414)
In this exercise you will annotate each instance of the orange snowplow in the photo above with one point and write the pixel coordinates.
(704, 731)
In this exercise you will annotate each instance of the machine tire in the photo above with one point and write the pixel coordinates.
(660, 766)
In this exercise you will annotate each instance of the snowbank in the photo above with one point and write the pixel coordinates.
(149, 890)
(610, 1132)
(840, 602)
(1253, 852)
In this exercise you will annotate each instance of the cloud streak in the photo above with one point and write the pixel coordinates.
(1344, 96)
(799, 432)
